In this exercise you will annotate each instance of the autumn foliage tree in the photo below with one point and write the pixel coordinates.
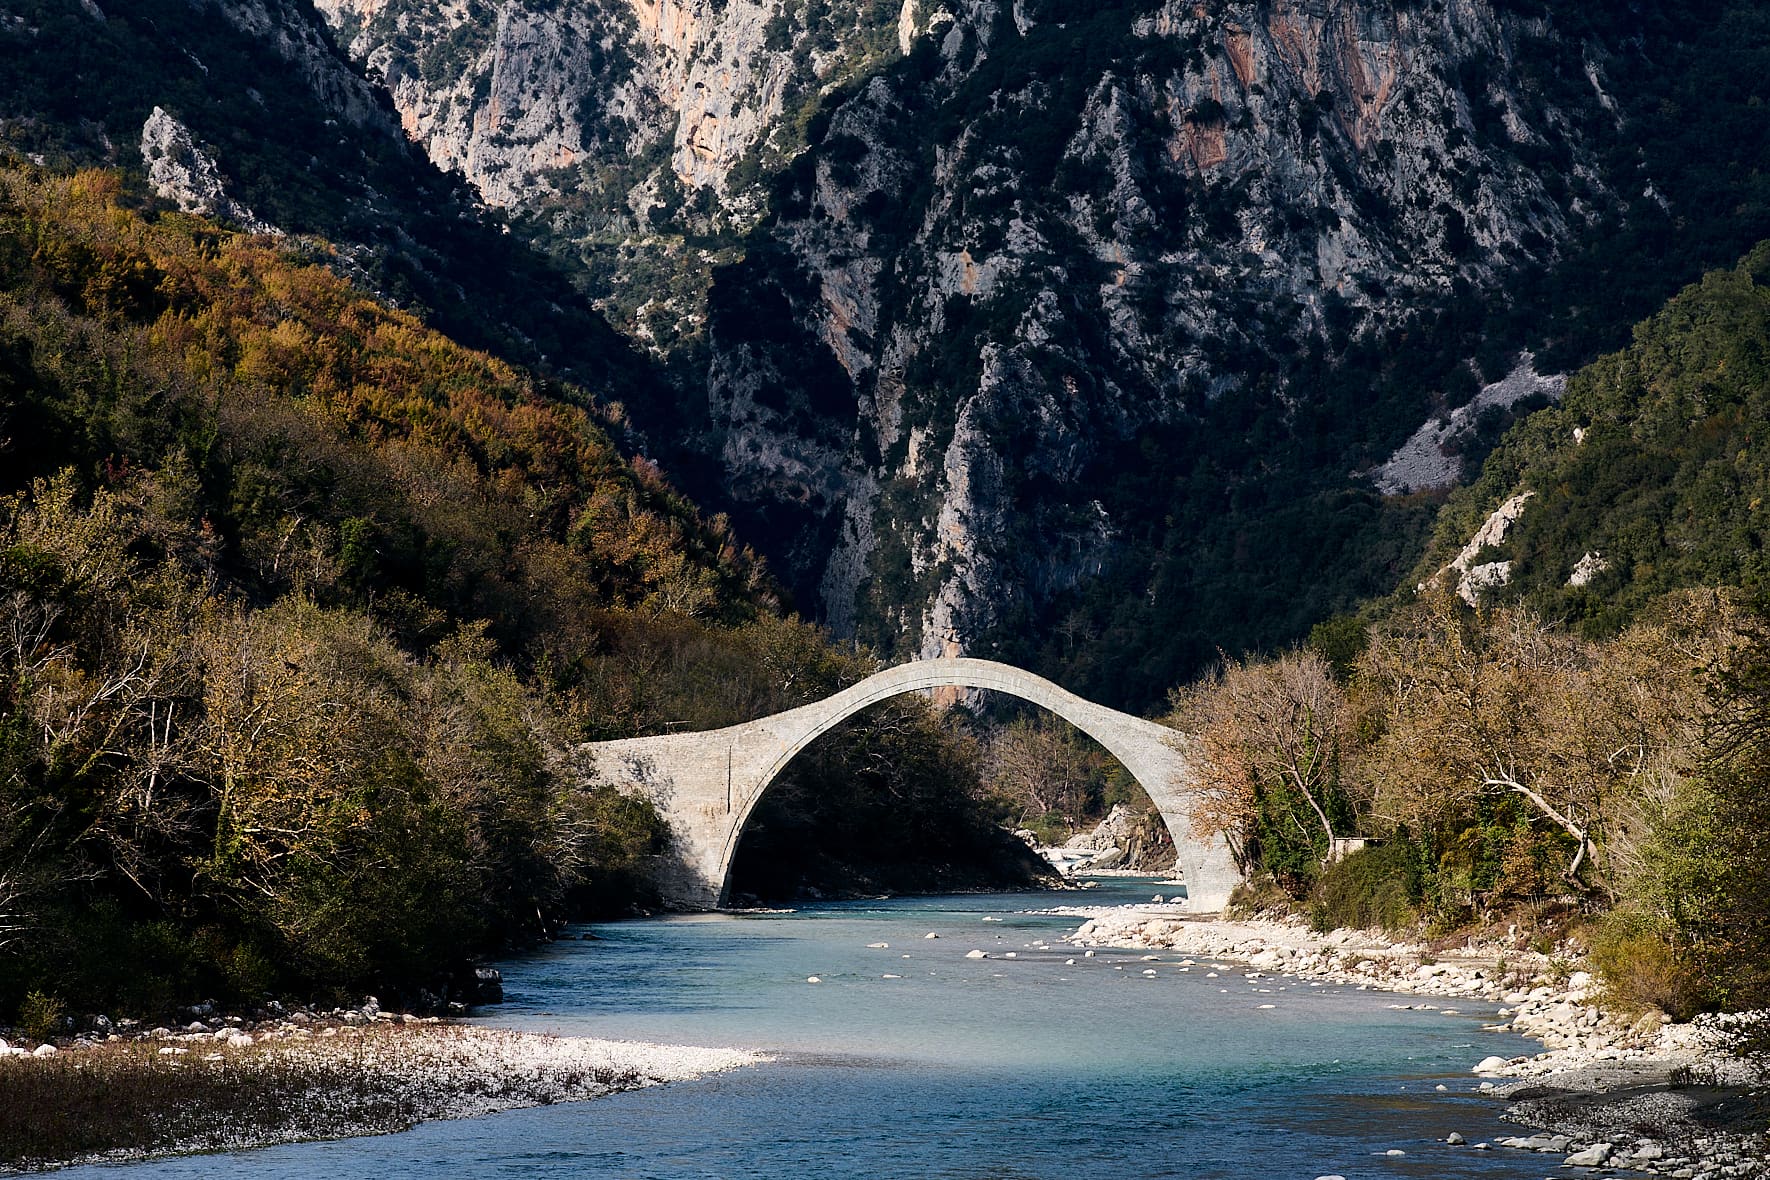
(1268, 738)
(1578, 733)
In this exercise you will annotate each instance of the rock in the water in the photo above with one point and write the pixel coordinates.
(488, 985)
(1455, 1139)
(1490, 1065)
(812, 979)
(976, 955)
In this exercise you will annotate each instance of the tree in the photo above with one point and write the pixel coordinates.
(1466, 705)
(1038, 767)
(1268, 741)
(1731, 933)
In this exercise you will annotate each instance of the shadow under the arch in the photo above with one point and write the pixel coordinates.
(887, 802)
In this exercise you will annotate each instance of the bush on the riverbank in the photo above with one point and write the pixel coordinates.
(1374, 888)
(1512, 770)
(1643, 969)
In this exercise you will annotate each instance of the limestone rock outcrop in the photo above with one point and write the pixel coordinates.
(627, 126)
(183, 173)
(990, 276)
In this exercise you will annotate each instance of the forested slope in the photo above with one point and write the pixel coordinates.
(1651, 475)
(1574, 743)
(303, 607)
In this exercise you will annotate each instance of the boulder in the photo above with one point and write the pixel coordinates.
(1491, 1065)
(1592, 1157)
(1110, 858)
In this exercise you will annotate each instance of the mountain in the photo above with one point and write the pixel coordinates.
(305, 610)
(1098, 339)
(294, 135)
(1068, 334)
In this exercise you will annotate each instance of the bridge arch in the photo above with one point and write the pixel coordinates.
(706, 784)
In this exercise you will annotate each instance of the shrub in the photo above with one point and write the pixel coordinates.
(39, 1016)
(1643, 968)
(1259, 896)
(1377, 886)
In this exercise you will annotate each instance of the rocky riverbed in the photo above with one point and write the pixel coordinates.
(228, 1082)
(1642, 1094)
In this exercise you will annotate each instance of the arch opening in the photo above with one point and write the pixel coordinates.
(891, 800)
(1065, 793)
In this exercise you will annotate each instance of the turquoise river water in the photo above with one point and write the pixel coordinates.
(914, 1061)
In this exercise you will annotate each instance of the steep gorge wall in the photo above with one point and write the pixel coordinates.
(636, 133)
(945, 271)
(1034, 238)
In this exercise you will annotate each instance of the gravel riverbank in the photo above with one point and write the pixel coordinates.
(1642, 1095)
(226, 1085)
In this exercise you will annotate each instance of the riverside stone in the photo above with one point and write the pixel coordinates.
(1592, 1157)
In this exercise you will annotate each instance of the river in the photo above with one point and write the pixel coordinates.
(913, 1060)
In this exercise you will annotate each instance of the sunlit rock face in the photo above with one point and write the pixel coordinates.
(640, 134)
(1032, 239)
(931, 262)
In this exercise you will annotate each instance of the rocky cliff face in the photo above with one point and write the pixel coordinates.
(637, 134)
(936, 266)
(1044, 232)
(995, 322)
(180, 171)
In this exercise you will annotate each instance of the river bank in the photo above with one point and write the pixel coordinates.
(1642, 1094)
(135, 1095)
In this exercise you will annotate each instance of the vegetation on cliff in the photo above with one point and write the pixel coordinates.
(1654, 469)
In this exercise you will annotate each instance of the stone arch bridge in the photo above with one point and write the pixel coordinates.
(706, 784)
